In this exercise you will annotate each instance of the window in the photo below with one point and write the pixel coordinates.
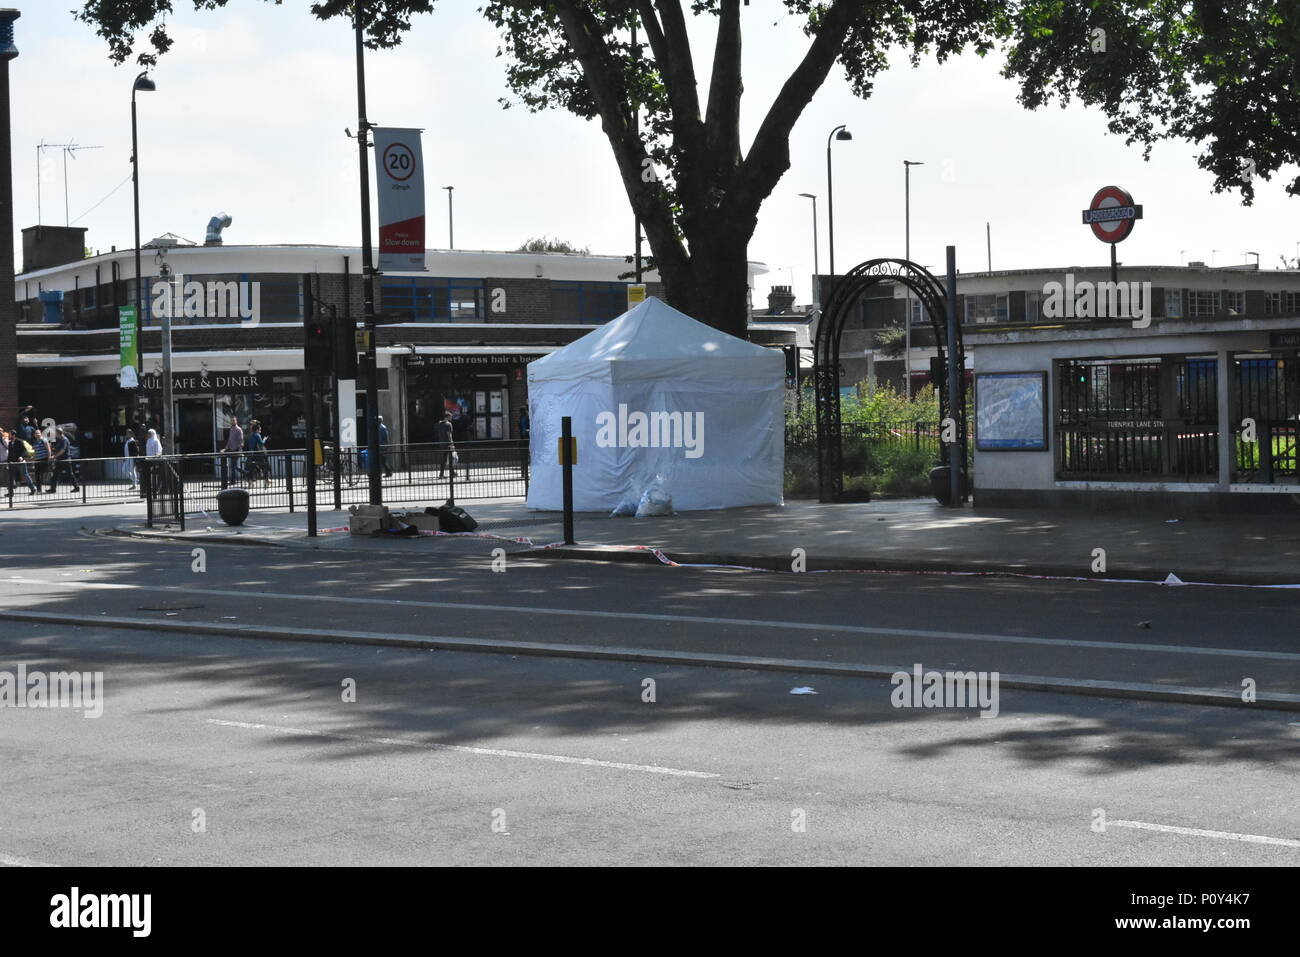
(1282, 303)
(1033, 306)
(588, 301)
(1203, 302)
(1236, 303)
(426, 299)
(918, 312)
(992, 307)
(1173, 304)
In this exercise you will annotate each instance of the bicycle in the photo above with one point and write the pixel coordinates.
(349, 472)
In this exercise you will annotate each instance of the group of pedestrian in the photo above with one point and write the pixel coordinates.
(31, 454)
(247, 454)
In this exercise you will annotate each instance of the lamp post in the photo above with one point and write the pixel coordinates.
(142, 84)
(451, 223)
(8, 307)
(839, 133)
(816, 290)
(907, 254)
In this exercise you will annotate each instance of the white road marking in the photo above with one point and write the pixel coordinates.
(465, 749)
(1198, 832)
(689, 620)
(9, 860)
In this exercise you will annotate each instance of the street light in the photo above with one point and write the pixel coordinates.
(839, 133)
(816, 292)
(1256, 255)
(907, 254)
(142, 84)
(451, 231)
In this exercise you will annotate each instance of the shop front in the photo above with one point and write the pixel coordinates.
(207, 403)
(485, 394)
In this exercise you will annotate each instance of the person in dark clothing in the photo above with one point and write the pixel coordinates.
(61, 462)
(16, 467)
(446, 445)
(255, 446)
(523, 422)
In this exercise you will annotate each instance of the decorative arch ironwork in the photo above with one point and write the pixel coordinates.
(845, 294)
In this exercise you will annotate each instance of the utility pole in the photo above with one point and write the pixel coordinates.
(367, 271)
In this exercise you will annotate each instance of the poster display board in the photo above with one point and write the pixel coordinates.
(1011, 411)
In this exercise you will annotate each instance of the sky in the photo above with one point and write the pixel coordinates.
(253, 100)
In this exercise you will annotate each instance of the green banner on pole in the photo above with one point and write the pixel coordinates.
(128, 338)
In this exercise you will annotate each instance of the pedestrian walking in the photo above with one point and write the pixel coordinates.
(152, 446)
(40, 455)
(131, 452)
(20, 450)
(258, 464)
(445, 445)
(61, 462)
(234, 445)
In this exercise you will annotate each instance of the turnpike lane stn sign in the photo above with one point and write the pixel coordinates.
(1111, 214)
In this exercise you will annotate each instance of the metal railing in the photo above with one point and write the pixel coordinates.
(1138, 452)
(278, 478)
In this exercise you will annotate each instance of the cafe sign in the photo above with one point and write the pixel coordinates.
(207, 382)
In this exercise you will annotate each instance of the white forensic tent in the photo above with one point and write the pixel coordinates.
(656, 393)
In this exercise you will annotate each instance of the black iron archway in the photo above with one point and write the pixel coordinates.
(845, 294)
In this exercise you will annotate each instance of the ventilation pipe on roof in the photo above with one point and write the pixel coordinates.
(215, 225)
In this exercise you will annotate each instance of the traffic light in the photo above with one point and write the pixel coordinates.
(318, 345)
(791, 366)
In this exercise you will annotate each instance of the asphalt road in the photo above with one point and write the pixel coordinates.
(454, 757)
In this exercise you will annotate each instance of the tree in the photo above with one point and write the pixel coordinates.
(545, 244)
(1220, 73)
(695, 187)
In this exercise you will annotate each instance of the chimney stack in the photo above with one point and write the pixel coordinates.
(780, 301)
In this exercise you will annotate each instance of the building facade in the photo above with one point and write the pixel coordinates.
(456, 337)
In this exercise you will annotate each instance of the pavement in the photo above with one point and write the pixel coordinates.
(914, 535)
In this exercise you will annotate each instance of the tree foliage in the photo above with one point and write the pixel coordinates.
(1220, 73)
(545, 244)
(1224, 74)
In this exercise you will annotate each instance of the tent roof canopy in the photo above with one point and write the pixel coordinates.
(651, 332)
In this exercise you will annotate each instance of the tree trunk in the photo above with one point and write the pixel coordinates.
(713, 285)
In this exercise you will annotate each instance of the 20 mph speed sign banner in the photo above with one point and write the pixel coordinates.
(401, 199)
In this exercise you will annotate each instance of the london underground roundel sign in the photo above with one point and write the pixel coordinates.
(1111, 214)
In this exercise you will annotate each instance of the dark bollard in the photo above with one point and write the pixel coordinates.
(232, 505)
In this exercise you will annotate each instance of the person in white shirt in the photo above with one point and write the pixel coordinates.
(152, 446)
